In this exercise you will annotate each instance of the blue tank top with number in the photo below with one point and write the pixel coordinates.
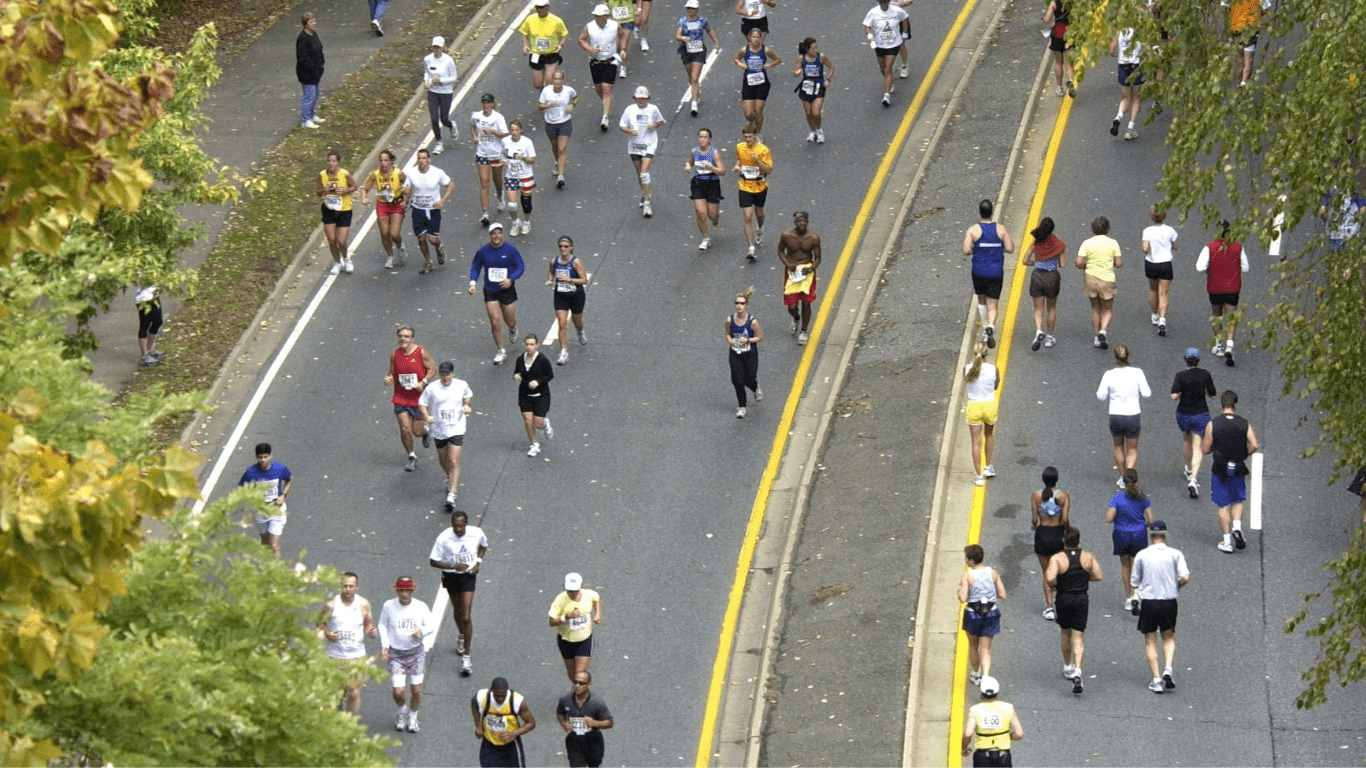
(813, 70)
(988, 253)
(738, 331)
(754, 63)
(709, 156)
(563, 274)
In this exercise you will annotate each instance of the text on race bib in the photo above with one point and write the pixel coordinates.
(693, 46)
(991, 720)
(621, 12)
(808, 87)
(498, 274)
(407, 380)
(749, 171)
(578, 622)
(579, 725)
(332, 202)
(756, 78)
(495, 723)
(639, 146)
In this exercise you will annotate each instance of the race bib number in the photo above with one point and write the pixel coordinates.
(407, 380)
(332, 202)
(579, 725)
(701, 167)
(621, 12)
(447, 414)
(606, 50)
(386, 194)
(796, 276)
(424, 201)
(563, 287)
(495, 723)
(888, 38)
(756, 78)
(693, 46)
(991, 720)
(489, 139)
(741, 344)
(346, 636)
(750, 172)
(639, 147)
(578, 622)
(272, 492)
(498, 274)
(465, 558)
(808, 87)
(407, 625)
(753, 7)
(543, 44)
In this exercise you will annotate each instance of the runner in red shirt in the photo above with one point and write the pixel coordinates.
(410, 368)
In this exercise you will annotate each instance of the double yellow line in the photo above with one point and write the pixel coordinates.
(715, 691)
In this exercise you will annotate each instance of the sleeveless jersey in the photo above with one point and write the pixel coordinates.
(813, 75)
(564, 272)
(992, 721)
(336, 202)
(988, 253)
(708, 157)
(1225, 271)
(408, 371)
(755, 74)
(1230, 445)
(1075, 580)
(983, 588)
(389, 189)
(741, 334)
(346, 621)
(603, 39)
(500, 720)
(1051, 507)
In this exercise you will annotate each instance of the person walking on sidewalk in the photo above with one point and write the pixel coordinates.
(502, 265)
(1159, 573)
(753, 163)
(275, 481)
(1130, 512)
(389, 184)
(573, 614)
(743, 334)
(1232, 440)
(569, 277)
(1049, 515)
(410, 370)
(445, 405)
(1189, 389)
(346, 620)
(557, 104)
(377, 9)
(583, 719)
(532, 372)
(439, 75)
(422, 187)
(983, 381)
(601, 38)
(987, 243)
(1223, 262)
(1070, 572)
(336, 185)
(800, 251)
(308, 68)
(1159, 240)
(979, 589)
(1122, 387)
(1099, 256)
(543, 37)
(404, 623)
(994, 724)
(148, 304)
(458, 552)
(1045, 282)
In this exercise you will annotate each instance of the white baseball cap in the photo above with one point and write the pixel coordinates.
(496, 225)
(642, 92)
(438, 42)
(573, 582)
(990, 686)
(601, 10)
(692, 4)
(541, 3)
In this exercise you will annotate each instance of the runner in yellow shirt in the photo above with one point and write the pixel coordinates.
(573, 614)
(754, 162)
(543, 36)
(335, 187)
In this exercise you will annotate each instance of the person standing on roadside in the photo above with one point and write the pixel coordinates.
(1159, 240)
(275, 481)
(410, 370)
(335, 187)
(557, 104)
(800, 251)
(601, 38)
(444, 406)
(487, 129)
(421, 188)
(532, 372)
(404, 622)
(755, 59)
(1189, 389)
(389, 184)
(1232, 440)
(816, 70)
(1159, 573)
(743, 333)
(345, 622)
(1057, 17)
(1123, 387)
(1130, 512)
(1070, 572)
(569, 277)
(458, 551)
(707, 167)
(543, 37)
(1223, 262)
(502, 266)
(979, 589)
(641, 121)
(987, 243)
(439, 75)
(1045, 282)
(888, 27)
(308, 68)
(583, 719)
(994, 724)
(753, 163)
(573, 614)
(1099, 256)
(501, 718)
(693, 49)
(148, 304)
(1049, 515)
(983, 381)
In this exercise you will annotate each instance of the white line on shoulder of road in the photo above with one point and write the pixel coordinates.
(439, 606)
(1254, 512)
(1279, 226)
(687, 90)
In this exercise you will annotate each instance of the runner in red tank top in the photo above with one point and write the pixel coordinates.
(410, 368)
(1223, 262)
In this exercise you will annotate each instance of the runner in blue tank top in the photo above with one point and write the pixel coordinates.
(987, 243)
(816, 71)
(707, 167)
(755, 59)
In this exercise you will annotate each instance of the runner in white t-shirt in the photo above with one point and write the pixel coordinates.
(641, 121)
(518, 156)
(444, 406)
(423, 185)
(487, 129)
(1159, 240)
(557, 104)
(887, 27)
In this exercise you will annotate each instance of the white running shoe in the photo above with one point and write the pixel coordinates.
(887, 99)
(512, 335)
(905, 72)
(792, 327)
(563, 358)
(349, 267)
(750, 253)
(811, 136)
(500, 357)
(1068, 671)
(802, 339)
(412, 722)
(758, 395)
(438, 148)
(644, 45)
(1049, 342)
(311, 124)
(740, 412)
(692, 108)
(549, 430)
(336, 268)
(583, 338)
(401, 719)
(1153, 318)
(705, 244)
(820, 135)
(374, 24)
(411, 465)
(502, 203)
(450, 497)
(646, 210)
(979, 480)
(534, 450)
(465, 667)
(990, 471)
(389, 263)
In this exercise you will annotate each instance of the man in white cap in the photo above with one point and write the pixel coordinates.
(439, 75)
(641, 121)
(573, 614)
(601, 38)
(994, 724)
(543, 37)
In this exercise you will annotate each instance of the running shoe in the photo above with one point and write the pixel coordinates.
(427, 439)
(1049, 342)
(740, 412)
(512, 335)
(1130, 134)
(646, 210)
(1119, 483)
(1038, 341)
(348, 266)
(1167, 681)
(402, 254)
(1156, 685)
(989, 336)
(1071, 89)
(758, 395)
(621, 72)
(603, 125)
(750, 253)
(1218, 350)
(1228, 355)
(1096, 342)
(465, 667)
(1224, 546)
(887, 99)
(438, 148)
(1162, 326)
(990, 471)
(502, 203)
(1186, 472)
(559, 181)
(1129, 603)
(692, 109)
(534, 450)
(148, 359)
(389, 263)
(1153, 318)
(644, 45)
(563, 358)
(427, 266)
(401, 719)
(484, 219)
(412, 722)
(811, 136)
(450, 497)
(583, 338)
(792, 329)
(705, 244)
(820, 135)
(1104, 340)
(974, 677)
(1138, 606)
(1060, 91)
(1068, 671)
(336, 268)
(979, 480)
(1238, 541)
(411, 466)
(1114, 127)
(802, 339)
(500, 357)
(905, 72)
(311, 124)
(379, 31)
(1193, 488)
(1076, 683)
(158, 354)
(1050, 614)
(549, 430)
(440, 253)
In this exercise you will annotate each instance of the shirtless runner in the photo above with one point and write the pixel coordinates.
(800, 251)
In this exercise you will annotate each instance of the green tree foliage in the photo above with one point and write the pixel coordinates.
(1280, 153)
(211, 659)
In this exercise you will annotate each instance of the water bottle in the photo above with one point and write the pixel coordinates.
(1233, 469)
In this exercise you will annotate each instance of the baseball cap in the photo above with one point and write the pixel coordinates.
(541, 3)
(446, 367)
(642, 92)
(404, 582)
(572, 582)
(1158, 526)
(488, 97)
(692, 4)
(438, 42)
(495, 225)
(1192, 354)
(600, 10)
(990, 686)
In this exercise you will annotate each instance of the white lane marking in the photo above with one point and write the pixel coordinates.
(1278, 226)
(706, 68)
(1254, 511)
(439, 606)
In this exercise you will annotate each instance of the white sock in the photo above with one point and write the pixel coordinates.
(1131, 125)
(1228, 539)
(1228, 344)
(982, 314)
(1237, 525)
(1119, 115)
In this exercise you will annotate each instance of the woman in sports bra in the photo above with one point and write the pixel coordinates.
(755, 59)
(1049, 510)
(816, 70)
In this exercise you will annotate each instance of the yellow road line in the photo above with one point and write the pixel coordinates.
(979, 495)
(756, 516)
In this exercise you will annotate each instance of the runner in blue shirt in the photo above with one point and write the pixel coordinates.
(275, 481)
(502, 265)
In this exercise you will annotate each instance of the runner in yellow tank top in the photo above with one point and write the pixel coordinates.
(335, 187)
(387, 181)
